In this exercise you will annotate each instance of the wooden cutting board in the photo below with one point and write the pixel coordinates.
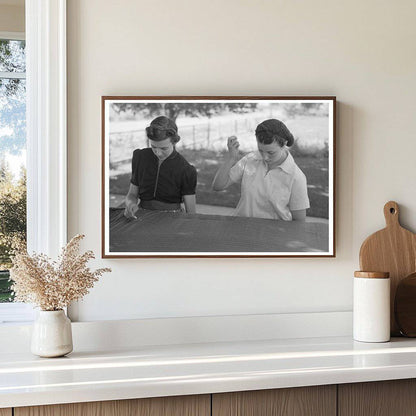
(393, 250)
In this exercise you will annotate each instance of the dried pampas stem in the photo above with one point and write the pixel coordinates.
(53, 285)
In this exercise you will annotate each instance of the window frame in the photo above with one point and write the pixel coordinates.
(46, 125)
(12, 35)
(46, 128)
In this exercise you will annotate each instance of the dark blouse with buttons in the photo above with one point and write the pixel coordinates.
(167, 182)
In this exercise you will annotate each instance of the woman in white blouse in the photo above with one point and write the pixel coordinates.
(272, 184)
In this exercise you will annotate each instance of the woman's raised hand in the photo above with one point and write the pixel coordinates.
(233, 147)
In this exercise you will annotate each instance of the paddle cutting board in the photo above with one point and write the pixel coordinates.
(393, 250)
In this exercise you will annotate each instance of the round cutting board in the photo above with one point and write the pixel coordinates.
(393, 250)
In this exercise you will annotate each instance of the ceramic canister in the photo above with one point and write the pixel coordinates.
(371, 307)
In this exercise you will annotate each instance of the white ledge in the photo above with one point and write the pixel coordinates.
(169, 370)
(187, 330)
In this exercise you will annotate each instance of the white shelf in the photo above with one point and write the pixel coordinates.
(150, 371)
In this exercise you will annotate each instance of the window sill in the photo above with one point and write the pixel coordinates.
(16, 314)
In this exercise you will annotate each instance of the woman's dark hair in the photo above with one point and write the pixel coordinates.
(162, 128)
(273, 130)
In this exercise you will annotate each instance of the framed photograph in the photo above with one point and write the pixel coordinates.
(218, 177)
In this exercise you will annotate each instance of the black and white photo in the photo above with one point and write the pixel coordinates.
(218, 176)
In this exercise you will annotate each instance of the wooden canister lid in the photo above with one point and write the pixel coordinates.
(372, 275)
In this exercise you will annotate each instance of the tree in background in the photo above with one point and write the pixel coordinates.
(12, 97)
(12, 212)
(173, 110)
(12, 142)
(302, 109)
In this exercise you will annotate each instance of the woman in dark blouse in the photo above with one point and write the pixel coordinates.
(161, 178)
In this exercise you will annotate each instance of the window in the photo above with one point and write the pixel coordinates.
(45, 133)
(12, 154)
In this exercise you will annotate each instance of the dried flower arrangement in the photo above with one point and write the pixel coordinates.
(52, 285)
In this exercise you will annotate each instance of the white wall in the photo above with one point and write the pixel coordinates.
(12, 18)
(363, 52)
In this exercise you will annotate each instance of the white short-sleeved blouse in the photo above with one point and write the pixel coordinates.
(267, 193)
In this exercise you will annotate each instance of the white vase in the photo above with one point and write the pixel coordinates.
(52, 334)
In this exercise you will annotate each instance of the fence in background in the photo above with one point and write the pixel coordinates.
(211, 135)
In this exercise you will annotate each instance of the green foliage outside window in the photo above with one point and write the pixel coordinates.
(12, 224)
(12, 144)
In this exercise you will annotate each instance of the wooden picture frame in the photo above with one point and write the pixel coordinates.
(260, 213)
